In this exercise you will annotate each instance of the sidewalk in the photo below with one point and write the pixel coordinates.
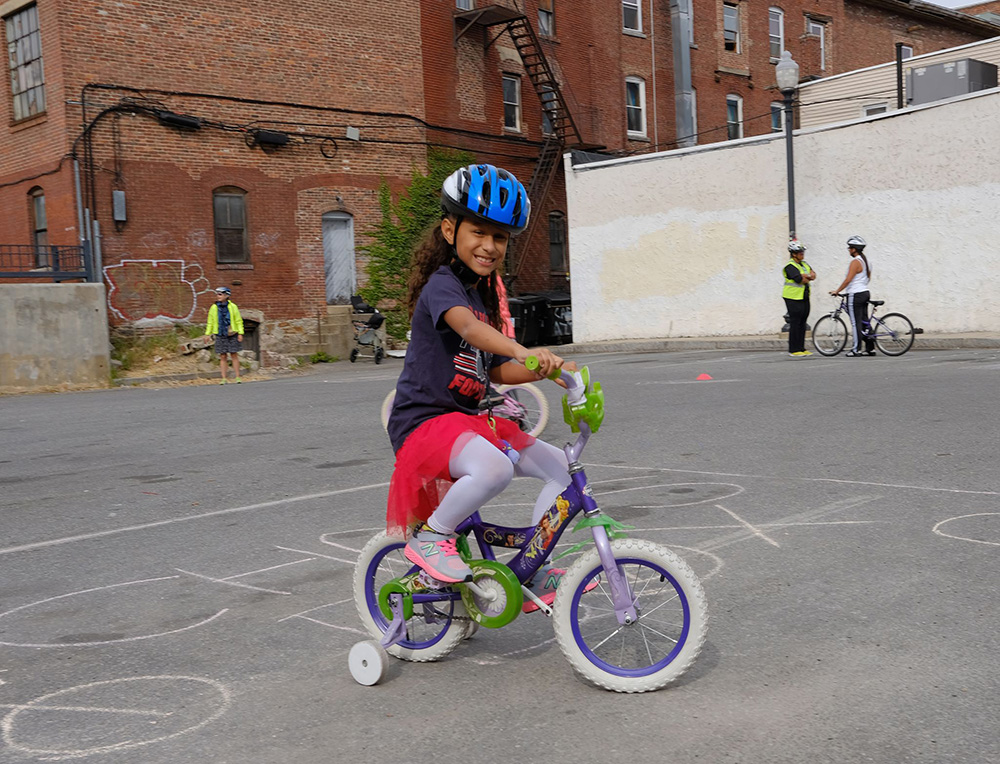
(972, 340)
(968, 340)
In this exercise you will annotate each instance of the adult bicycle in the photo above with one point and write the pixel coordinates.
(523, 404)
(892, 333)
(629, 615)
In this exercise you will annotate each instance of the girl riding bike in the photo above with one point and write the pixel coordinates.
(456, 349)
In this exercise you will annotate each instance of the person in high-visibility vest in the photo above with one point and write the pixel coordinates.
(798, 273)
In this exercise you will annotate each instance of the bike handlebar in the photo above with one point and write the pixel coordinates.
(575, 386)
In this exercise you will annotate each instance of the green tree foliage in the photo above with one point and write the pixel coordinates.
(403, 225)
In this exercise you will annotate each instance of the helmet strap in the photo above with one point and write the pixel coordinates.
(465, 274)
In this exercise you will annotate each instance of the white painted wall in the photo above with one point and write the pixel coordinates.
(692, 242)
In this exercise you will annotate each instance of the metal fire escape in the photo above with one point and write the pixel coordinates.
(563, 129)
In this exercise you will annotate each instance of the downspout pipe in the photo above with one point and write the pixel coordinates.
(680, 22)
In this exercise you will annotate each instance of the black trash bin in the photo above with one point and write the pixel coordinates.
(558, 323)
(527, 312)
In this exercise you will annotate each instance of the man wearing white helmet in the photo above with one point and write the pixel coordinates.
(798, 273)
(855, 286)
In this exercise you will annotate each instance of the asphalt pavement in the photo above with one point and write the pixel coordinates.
(175, 570)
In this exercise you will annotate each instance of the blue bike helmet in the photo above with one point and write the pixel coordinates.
(487, 193)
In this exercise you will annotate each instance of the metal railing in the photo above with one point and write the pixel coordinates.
(36, 261)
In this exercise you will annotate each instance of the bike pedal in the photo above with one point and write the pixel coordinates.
(428, 581)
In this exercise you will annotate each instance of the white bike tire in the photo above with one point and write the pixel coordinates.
(566, 619)
(539, 402)
(455, 632)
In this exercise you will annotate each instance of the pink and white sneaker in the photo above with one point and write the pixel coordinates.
(544, 585)
(436, 554)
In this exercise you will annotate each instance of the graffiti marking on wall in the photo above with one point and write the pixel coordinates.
(154, 289)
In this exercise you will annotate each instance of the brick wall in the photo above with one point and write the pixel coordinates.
(388, 60)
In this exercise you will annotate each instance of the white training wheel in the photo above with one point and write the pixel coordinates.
(368, 661)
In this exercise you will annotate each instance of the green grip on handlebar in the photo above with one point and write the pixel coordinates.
(531, 364)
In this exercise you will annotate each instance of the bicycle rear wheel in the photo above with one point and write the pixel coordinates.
(659, 646)
(893, 333)
(536, 408)
(431, 633)
(829, 335)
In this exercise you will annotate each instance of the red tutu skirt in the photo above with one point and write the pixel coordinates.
(421, 477)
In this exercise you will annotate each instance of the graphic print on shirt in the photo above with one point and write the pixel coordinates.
(471, 364)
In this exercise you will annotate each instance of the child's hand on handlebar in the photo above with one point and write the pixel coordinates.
(548, 361)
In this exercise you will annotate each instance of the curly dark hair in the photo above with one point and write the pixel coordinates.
(435, 251)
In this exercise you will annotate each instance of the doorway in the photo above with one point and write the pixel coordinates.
(338, 257)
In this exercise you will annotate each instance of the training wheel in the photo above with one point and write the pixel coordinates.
(368, 661)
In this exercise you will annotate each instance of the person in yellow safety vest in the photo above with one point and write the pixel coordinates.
(798, 273)
(226, 323)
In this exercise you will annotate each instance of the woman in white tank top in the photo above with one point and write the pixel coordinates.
(855, 286)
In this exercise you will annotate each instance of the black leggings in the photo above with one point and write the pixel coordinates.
(798, 312)
(857, 309)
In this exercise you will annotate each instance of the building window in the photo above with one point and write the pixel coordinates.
(694, 116)
(776, 31)
(731, 27)
(24, 55)
(547, 18)
(231, 240)
(907, 51)
(635, 107)
(734, 116)
(557, 243)
(875, 108)
(511, 102)
(465, 5)
(549, 109)
(777, 117)
(39, 227)
(632, 15)
(818, 29)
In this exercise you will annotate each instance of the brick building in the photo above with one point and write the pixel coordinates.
(245, 142)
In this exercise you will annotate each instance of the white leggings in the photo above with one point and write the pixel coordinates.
(482, 471)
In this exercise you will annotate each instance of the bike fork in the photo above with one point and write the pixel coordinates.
(621, 593)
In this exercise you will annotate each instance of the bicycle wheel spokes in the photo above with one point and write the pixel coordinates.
(893, 333)
(829, 335)
(533, 407)
(650, 642)
(431, 622)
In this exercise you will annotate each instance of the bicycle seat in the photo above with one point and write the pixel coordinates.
(876, 303)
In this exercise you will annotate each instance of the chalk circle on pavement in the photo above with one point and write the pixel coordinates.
(112, 715)
(979, 528)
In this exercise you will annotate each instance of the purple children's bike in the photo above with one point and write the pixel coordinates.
(629, 615)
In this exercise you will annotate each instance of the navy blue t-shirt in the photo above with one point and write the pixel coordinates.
(442, 373)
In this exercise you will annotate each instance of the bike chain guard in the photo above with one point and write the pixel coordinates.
(591, 410)
(497, 578)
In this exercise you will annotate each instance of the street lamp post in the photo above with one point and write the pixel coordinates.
(787, 73)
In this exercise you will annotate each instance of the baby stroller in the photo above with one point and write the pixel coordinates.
(366, 335)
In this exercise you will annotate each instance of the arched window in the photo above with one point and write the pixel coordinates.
(557, 243)
(635, 106)
(231, 239)
(734, 116)
(39, 226)
(776, 31)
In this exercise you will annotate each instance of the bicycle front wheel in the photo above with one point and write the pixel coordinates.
(431, 633)
(535, 407)
(893, 333)
(655, 649)
(829, 335)
(387, 408)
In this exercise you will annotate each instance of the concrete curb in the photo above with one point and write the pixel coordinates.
(922, 342)
(130, 381)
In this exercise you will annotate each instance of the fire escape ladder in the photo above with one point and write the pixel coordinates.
(536, 66)
(548, 164)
